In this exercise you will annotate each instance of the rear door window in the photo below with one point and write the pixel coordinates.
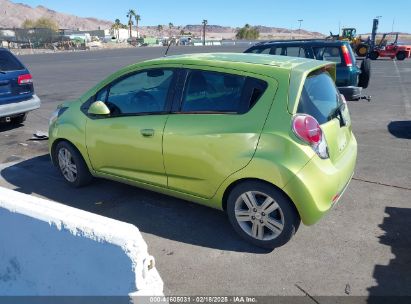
(294, 52)
(319, 97)
(261, 50)
(276, 51)
(328, 53)
(8, 62)
(214, 92)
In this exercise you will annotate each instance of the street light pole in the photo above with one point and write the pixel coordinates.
(299, 28)
(205, 22)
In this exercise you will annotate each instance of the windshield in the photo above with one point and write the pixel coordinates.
(319, 97)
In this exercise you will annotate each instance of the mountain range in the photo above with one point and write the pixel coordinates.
(13, 15)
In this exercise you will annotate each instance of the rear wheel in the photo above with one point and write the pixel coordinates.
(262, 215)
(361, 50)
(72, 165)
(401, 56)
(364, 78)
(374, 55)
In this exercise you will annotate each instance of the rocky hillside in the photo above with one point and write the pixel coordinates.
(13, 15)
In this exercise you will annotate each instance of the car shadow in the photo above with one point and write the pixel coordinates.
(400, 129)
(394, 280)
(6, 126)
(151, 212)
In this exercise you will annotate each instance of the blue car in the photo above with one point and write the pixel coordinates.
(351, 79)
(17, 96)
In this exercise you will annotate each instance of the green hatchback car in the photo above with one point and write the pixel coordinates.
(267, 139)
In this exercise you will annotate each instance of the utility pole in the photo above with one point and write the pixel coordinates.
(205, 22)
(299, 28)
(393, 21)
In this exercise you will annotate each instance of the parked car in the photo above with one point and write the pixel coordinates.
(351, 79)
(267, 139)
(17, 96)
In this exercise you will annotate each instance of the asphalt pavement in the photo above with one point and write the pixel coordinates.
(362, 247)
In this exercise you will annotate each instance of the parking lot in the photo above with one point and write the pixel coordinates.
(362, 247)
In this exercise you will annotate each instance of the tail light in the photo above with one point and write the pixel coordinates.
(307, 128)
(24, 79)
(346, 55)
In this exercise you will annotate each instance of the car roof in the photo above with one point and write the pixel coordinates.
(241, 60)
(303, 42)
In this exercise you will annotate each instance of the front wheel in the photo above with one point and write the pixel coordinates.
(72, 165)
(262, 214)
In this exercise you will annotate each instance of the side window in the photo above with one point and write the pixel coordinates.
(143, 92)
(266, 51)
(295, 52)
(276, 51)
(213, 92)
(260, 50)
(328, 54)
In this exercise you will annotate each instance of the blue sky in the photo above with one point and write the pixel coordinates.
(318, 15)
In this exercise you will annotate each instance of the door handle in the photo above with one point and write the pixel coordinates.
(147, 132)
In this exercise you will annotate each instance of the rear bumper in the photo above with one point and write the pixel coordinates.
(351, 92)
(21, 107)
(320, 184)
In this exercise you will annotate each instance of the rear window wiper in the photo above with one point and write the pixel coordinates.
(2, 72)
(337, 113)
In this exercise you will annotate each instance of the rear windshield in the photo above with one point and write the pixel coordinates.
(8, 62)
(319, 97)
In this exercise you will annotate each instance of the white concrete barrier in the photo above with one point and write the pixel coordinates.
(50, 249)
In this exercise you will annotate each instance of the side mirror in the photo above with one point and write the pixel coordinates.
(98, 108)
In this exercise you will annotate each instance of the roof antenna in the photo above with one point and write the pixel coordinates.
(168, 47)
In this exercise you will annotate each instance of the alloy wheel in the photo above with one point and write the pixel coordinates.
(259, 215)
(67, 165)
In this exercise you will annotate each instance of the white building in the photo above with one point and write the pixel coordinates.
(120, 34)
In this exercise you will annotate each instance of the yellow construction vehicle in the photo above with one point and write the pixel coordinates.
(358, 45)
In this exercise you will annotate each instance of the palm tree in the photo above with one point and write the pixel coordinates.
(116, 26)
(205, 22)
(159, 29)
(130, 15)
(138, 18)
(170, 26)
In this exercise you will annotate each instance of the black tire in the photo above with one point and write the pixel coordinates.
(361, 50)
(82, 177)
(287, 215)
(401, 55)
(19, 119)
(374, 55)
(364, 78)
